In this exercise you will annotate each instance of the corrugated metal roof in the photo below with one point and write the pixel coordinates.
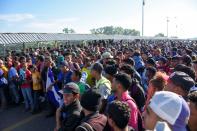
(13, 38)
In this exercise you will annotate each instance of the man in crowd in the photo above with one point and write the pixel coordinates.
(159, 110)
(90, 102)
(68, 115)
(118, 122)
(192, 124)
(180, 83)
(121, 84)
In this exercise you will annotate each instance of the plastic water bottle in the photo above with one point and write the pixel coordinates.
(83, 77)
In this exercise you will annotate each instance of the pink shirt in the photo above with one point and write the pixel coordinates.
(133, 121)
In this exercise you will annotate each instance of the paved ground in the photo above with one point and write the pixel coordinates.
(15, 119)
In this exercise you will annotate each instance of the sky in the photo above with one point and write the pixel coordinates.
(51, 16)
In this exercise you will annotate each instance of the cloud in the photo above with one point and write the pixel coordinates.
(16, 17)
(51, 25)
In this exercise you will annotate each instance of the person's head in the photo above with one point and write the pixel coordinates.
(33, 68)
(70, 93)
(195, 67)
(106, 55)
(110, 71)
(122, 114)
(150, 72)
(64, 66)
(193, 109)
(22, 60)
(76, 76)
(16, 64)
(162, 61)
(185, 69)
(158, 82)
(121, 83)
(175, 61)
(150, 63)
(127, 69)
(48, 61)
(87, 61)
(1, 63)
(68, 56)
(25, 66)
(90, 101)
(129, 61)
(96, 70)
(169, 107)
(40, 58)
(157, 52)
(187, 60)
(179, 83)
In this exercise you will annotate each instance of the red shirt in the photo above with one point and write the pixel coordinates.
(28, 78)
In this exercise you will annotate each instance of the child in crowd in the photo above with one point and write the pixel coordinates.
(37, 87)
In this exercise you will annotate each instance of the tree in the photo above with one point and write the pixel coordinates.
(68, 31)
(159, 35)
(110, 30)
(132, 32)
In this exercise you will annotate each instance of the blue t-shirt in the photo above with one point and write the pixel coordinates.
(64, 77)
(12, 73)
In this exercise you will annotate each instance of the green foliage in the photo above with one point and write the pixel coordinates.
(110, 30)
(159, 35)
(68, 31)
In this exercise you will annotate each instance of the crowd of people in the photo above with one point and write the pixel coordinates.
(106, 85)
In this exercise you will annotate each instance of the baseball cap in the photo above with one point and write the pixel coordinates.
(71, 88)
(182, 79)
(106, 55)
(171, 108)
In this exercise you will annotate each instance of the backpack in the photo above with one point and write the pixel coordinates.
(84, 127)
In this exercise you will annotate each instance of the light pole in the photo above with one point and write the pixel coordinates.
(143, 3)
(167, 25)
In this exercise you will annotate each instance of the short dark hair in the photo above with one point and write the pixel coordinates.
(98, 67)
(111, 70)
(152, 70)
(77, 73)
(124, 80)
(151, 61)
(129, 61)
(119, 112)
(128, 69)
(22, 58)
(67, 53)
(193, 97)
(195, 61)
(41, 58)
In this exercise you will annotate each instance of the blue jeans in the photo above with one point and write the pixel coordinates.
(14, 92)
(27, 94)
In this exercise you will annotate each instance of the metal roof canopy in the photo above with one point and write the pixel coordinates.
(15, 38)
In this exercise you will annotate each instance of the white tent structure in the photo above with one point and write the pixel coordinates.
(15, 38)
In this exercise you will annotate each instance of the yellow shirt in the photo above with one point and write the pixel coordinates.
(89, 78)
(36, 81)
(5, 71)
